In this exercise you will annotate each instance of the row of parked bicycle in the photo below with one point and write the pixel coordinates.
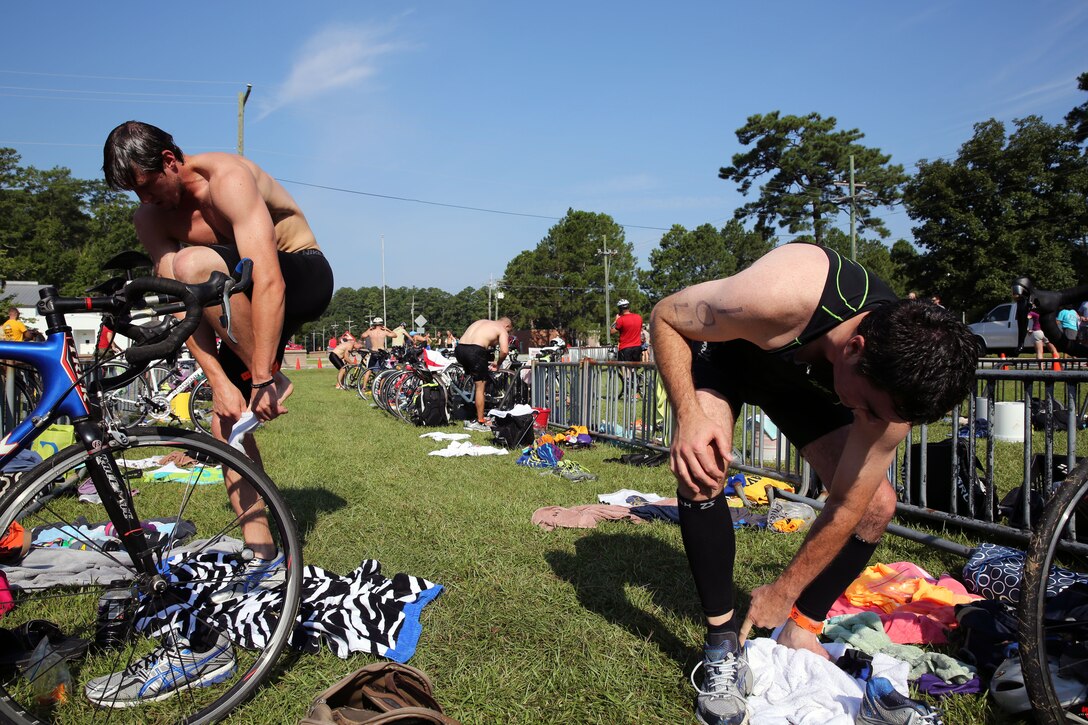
(428, 387)
(163, 394)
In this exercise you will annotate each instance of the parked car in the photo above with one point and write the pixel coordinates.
(997, 331)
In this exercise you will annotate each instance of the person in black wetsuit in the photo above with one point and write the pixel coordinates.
(843, 367)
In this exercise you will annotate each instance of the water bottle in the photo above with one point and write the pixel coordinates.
(115, 611)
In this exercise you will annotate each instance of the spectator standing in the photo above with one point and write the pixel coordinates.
(400, 333)
(629, 326)
(14, 329)
(1038, 337)
(1069, 321)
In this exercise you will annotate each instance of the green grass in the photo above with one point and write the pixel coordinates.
(576, 626)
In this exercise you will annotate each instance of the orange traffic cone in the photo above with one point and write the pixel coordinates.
(319, 363)
(1057, 365)
(1004, 367)
(298, 364)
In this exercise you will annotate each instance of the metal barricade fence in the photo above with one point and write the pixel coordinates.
(625, 403)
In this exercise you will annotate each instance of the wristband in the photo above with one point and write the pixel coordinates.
(809, 625)
(265, 384)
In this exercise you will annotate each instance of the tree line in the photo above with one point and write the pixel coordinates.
(1011, 202)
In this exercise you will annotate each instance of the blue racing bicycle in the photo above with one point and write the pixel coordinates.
(141, 599)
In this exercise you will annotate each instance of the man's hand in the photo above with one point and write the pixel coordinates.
(700, 455)
(768, 609)
(228, 403)
(265, 403)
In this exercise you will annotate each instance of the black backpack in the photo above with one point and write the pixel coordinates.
(429, 407)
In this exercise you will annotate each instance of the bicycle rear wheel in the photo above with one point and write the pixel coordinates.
(128, 405)
(199, 598)
(1053, 654)
(200, 406)
(499, 390)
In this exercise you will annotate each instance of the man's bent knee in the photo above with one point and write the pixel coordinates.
(194, 265)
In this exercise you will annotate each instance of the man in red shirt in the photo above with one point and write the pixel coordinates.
(629, 327)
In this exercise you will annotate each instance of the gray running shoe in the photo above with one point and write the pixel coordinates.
(166, 671)
(727, 681)
(255, 575)
(475, 425)
(882, 705)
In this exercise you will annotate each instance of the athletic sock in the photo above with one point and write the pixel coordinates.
(818, 597)
(718, 633)
(707, 531)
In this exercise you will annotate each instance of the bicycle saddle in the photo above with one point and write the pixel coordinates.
(127, 261)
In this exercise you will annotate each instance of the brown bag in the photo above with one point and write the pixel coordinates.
(384, 692)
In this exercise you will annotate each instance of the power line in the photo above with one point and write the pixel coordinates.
(449, 206)
(117, 100)
(107, 93)
(116, 78)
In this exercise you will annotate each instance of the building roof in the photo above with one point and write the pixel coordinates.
(23, 294)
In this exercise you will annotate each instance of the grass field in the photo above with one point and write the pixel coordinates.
(572, 626)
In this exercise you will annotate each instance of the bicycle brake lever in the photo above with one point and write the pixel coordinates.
(224, 319)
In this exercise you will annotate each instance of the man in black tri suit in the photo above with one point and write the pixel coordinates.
(843, 367)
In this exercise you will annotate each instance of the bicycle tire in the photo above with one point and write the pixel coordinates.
(353, 376)
(180, 596)
(1041, 640)
(200, 406)
(499, 389)
(129, 404)
(382, 388)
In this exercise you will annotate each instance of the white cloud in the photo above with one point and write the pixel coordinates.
(330, 60)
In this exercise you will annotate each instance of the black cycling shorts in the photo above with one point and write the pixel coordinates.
(630, 354)
(336, 360)
(803, 406)
(307, 279)
(377, 359)
(474, 359)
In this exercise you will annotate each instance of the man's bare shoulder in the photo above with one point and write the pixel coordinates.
(768, 303)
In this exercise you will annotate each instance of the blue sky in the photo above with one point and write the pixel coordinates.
(524, 108)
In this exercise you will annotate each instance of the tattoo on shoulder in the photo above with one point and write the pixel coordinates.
(705, 313)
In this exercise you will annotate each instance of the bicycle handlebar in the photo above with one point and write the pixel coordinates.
(165, 337)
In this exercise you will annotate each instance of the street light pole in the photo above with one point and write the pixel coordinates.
(243, 96)
(856, 190)
(607, 304)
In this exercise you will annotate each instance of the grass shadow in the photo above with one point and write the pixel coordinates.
(604, 565)
(309, 504)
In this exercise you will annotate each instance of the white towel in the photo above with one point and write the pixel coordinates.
(799, 687)
(465, 448)
(439, 436)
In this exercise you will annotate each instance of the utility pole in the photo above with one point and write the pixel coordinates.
(856, 191)
(490, 289)
(385, 312)
(606, 252)
(243, 96)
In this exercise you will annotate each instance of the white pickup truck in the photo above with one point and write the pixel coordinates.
(997, 331)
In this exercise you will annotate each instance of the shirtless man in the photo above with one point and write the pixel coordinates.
(339, 358)
(842, 366)
(375, 339)
(202, 213)
(471, 352)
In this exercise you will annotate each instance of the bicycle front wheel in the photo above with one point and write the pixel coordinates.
(1053, 655)
(186, 644)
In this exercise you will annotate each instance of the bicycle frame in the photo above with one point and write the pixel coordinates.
(62, 392)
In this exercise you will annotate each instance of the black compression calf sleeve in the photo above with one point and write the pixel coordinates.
(707, 530)
(816, 600)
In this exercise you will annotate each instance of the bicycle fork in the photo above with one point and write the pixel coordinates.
(109, 482)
